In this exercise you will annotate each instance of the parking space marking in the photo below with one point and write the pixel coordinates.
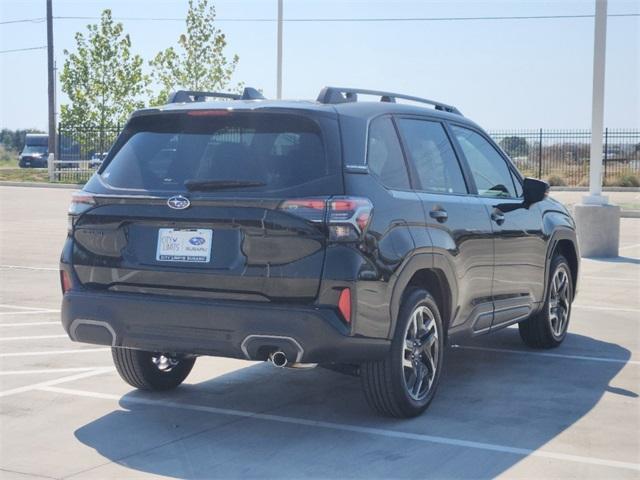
(28, 324)
(49, 370)
(349, 428)
(54, 352)
(26, 267)
(22, 307)
(30, 312)
(626, 247)
(548, 354)
(611, 309)
(32, 337)
(613, 279)
(57, 381)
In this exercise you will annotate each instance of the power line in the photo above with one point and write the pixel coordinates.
(23, 49)
(336, 20)
(24, 20)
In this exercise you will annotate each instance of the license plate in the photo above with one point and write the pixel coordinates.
(184, 245)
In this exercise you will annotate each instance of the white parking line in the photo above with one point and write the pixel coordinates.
(626, 247)
(57, 381)
(54, 352)
(605, 308)
(25, 267)
(28, 324)
(30, 312)
(611, 279)
(33, 337)
(50, 370)
(349, 428)
(547, 354)
(21, 307)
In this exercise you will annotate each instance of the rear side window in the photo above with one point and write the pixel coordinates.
(432, 155)
(384, 155)
(490, 171)
(260, 152)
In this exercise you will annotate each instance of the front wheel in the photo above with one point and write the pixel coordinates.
(151, 370)
(548, 327)
(404, 383)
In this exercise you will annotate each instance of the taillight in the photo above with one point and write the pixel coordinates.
(312, 209)
(80, 203)
(344, 304)
(65, 281)
(348, 218)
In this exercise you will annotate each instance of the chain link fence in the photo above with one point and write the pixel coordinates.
(558, 156)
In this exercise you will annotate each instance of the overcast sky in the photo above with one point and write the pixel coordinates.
(527, 73)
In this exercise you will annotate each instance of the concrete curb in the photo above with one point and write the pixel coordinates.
(630, 213)
(75, 186)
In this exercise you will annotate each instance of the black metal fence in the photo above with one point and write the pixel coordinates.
(559, 156)
(562, 156)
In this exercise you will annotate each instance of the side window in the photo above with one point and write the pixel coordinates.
(518, 184)
(432, 155)
(384, 155)
(489, 169)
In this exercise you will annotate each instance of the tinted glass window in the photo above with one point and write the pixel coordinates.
(489, 169)
(273, 152)
(384, 154)
(432, 155)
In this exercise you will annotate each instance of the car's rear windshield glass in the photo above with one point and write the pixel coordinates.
(220, 151)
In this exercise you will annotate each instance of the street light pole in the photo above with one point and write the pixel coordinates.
(279, 54)
(51, 80)
(597, 106)
(598, 222)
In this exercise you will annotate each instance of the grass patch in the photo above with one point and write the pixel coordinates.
(41, 175)
(8, 158)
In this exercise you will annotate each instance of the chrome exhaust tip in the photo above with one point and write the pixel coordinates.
(278, 359)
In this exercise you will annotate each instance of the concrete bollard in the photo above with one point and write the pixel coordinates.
(598, 229)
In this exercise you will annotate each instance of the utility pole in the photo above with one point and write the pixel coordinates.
(597, 106)
(51, 80)
(279, 59)
(597, 221)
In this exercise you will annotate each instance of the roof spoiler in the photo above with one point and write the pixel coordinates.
(332, 95)
(187, 96)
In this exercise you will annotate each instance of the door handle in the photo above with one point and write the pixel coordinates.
(440, 215)
(497, 216)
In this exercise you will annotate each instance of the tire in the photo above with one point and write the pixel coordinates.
(150, 370)
(548, 327)
(387, 384)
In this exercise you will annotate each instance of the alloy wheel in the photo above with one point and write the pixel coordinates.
(420, 353)
(559, 301)
(164, 363)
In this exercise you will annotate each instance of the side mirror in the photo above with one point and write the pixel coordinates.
(534, 190)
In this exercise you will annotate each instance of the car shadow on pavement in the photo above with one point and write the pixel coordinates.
(499, 398)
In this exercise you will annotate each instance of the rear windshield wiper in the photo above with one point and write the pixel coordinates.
(193, 185)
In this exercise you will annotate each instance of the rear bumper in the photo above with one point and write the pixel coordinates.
(306, 334)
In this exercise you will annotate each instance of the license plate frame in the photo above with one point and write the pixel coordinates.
(184, 245)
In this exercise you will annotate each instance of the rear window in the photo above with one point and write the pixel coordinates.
(253, 152)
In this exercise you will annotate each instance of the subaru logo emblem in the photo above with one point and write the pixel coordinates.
(178, 202)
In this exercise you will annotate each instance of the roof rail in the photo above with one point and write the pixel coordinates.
(187, 96)
(346, 95)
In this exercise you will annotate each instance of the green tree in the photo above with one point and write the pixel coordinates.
(102, 78)
(515, 146)
(200, 62)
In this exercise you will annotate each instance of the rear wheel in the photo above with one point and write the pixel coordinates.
(548, 327)
(151, 370)
(404, 383)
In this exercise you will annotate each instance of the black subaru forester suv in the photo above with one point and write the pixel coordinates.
(361, 236)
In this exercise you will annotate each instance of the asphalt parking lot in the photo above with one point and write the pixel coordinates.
(502, 409)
